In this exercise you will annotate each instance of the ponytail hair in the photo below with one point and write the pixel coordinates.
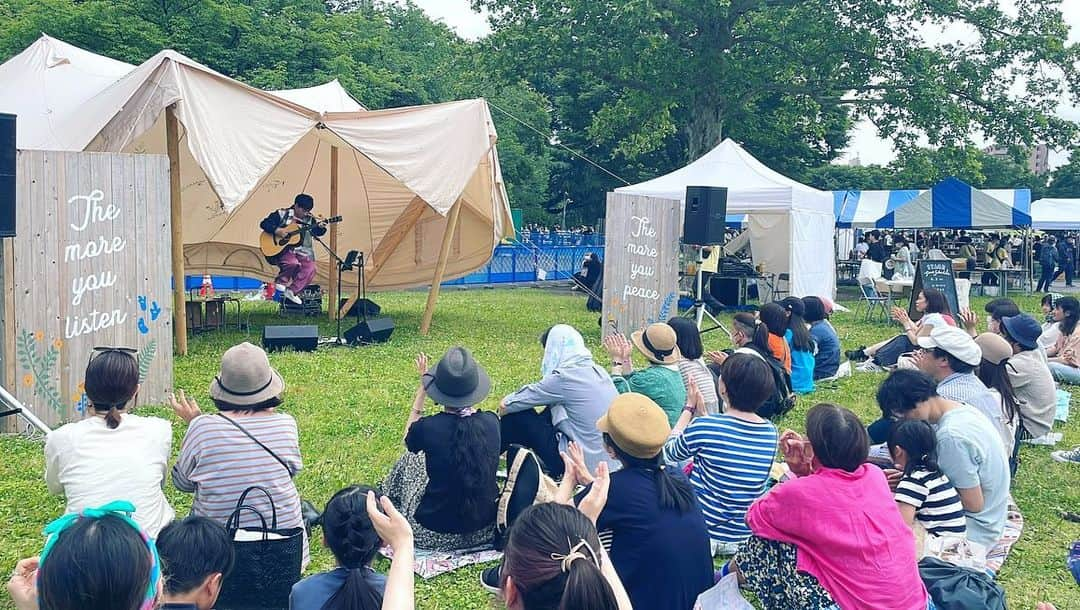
(112, 379)
(758, 332)
(553, 557)
(916, 438)
(353, 541)
(672, 491)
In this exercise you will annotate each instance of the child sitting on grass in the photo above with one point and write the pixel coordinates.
(924, 494)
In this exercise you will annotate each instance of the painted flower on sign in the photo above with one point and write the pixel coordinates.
(39, 336)
(28, 380)
(58, 343)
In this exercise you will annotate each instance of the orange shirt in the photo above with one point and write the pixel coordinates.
(780, 350)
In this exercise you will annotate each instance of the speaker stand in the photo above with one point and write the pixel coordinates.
(698, 311)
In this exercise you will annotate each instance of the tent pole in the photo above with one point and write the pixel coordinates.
(440, 267)
(332, 308)
(176, 220)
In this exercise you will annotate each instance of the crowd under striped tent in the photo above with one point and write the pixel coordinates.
(950, 204)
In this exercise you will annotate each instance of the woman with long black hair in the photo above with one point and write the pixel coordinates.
(1064, 359)
(801, 344)
(445, 483)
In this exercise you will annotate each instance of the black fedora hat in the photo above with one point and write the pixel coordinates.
(458, 381)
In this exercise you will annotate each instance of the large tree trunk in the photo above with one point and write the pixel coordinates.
(705, 128)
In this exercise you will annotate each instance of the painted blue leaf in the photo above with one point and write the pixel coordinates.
(155, 311)
(143, 328)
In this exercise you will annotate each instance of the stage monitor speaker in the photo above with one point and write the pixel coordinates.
(726, 290)
(7, 175)
(375, 330)
(370, 309)
(705, 215)
(300, 338)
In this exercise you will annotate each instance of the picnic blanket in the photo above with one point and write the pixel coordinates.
(1014, 526)
(429, 564)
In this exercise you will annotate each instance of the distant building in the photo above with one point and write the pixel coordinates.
(855, 161)
(1038, 160)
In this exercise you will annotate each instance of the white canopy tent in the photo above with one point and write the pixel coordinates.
(791, 224)
(1055, 214)
(404, 179)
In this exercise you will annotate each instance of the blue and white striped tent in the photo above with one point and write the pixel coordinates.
(954, 204)
(951, 204)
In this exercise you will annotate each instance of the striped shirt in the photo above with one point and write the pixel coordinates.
(706, 383)
(937, 504)
(732, 458)
(217, 463)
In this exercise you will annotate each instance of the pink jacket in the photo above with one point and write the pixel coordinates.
(849, 535)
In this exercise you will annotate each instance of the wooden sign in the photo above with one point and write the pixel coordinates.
(91, 268)
(641, 265)
(934, 274)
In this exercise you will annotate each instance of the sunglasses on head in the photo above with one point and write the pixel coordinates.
(105, 349)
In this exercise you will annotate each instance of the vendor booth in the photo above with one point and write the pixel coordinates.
(790, 224)
(1056, 214)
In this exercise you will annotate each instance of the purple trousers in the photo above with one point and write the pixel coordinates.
(296, 270)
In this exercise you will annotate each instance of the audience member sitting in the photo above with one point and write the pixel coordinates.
(993, 372)
(97, 559)
(801, 345)
(657, 533)
(826, 341)
(661, 381)
(996, 310)
(554, 559)
(351, 537)
(933, 306)
(1063, 357)
(832, 537)
(1051, 332)
(112, 453)
(692, 366)
(196, 557)
(576, 393)
(969, 449)
(1029, 373)
(732, 452)
(445, 482)
(773, 316)
(246, 443)
(924, 494)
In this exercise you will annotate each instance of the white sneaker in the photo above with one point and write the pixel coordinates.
(870, 367)
(280, 287)
(292, 297)
(1072, 455)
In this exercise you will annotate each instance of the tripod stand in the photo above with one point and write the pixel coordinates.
(698, 311)
(351, 260)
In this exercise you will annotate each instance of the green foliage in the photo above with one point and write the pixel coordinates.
(1065, 181)
(642, 86)
(351, 406)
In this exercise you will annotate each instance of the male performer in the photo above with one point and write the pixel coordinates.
(297, 263)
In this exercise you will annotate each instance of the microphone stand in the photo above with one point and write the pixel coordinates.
(342, 266)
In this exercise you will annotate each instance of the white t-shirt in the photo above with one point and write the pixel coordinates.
(92, 465)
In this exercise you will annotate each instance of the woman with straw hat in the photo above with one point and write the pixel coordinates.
(661, 380)
(247, 443)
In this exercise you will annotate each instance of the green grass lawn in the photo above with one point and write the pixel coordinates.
(351, 406)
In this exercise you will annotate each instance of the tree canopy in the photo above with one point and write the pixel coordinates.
(641, 86)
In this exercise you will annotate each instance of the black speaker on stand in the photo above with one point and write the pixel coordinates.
(7, 175)
(705, 215)
(300, 338)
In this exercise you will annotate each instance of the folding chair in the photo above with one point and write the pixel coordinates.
(778, 292)
(873, 300)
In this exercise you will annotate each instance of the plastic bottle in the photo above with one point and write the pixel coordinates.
(206, 291)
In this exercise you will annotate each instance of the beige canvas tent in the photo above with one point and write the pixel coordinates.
(402, 176)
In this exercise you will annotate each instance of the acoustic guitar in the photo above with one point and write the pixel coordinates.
(272, 245)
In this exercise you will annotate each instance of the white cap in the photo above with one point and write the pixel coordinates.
(955, 341)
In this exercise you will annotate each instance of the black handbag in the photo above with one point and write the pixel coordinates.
(267, 566)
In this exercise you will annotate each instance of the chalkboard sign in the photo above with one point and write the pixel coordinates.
(934, 274)
(641, 266)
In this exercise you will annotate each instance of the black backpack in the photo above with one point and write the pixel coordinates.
(783, 398)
